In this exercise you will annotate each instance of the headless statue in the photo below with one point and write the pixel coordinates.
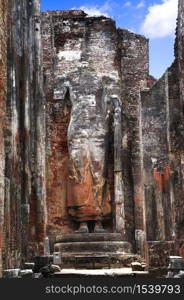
(88, 196)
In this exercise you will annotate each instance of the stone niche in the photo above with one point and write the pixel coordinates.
(80, 120)
(88, 174)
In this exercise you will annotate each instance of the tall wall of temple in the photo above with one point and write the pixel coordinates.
(23, 203)
(162, 149)
(3, 91)
(135, 77)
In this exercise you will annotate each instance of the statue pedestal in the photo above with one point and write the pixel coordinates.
(94, 251)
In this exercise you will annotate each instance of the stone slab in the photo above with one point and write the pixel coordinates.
(159, 253)
(11, 273)
(89, 237)
(103, 246)
(90, 260)
(176, 263)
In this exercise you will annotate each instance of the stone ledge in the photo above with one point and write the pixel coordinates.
(101, 260)
(101, 246)
(89, 237)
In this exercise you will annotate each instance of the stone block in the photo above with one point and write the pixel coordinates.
(176, 263)
(11, 273)
(41, 261)
(26, 273)
(137, 266)
(104, 246)
(89, 237)
(159, 252)
(29, 266)
(179, 275)
(57, 258)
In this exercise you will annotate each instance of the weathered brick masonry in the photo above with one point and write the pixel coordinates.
(162, 144)
(24, 196)
(3, 91)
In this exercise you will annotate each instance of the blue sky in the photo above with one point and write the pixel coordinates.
(156, 19)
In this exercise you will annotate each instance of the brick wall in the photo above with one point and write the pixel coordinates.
(3, 91)
(135, 75)
(25, 218)
(162, 129)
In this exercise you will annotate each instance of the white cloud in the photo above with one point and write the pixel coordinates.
(96, 10)
(93, 11)
(141, 4)
(160, 20)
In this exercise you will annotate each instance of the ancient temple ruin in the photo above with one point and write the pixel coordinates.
(88, 135)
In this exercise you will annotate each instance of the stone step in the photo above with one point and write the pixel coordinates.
(103, 246)
(93, 260)
(89, 237)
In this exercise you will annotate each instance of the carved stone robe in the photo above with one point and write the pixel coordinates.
(88, 196)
